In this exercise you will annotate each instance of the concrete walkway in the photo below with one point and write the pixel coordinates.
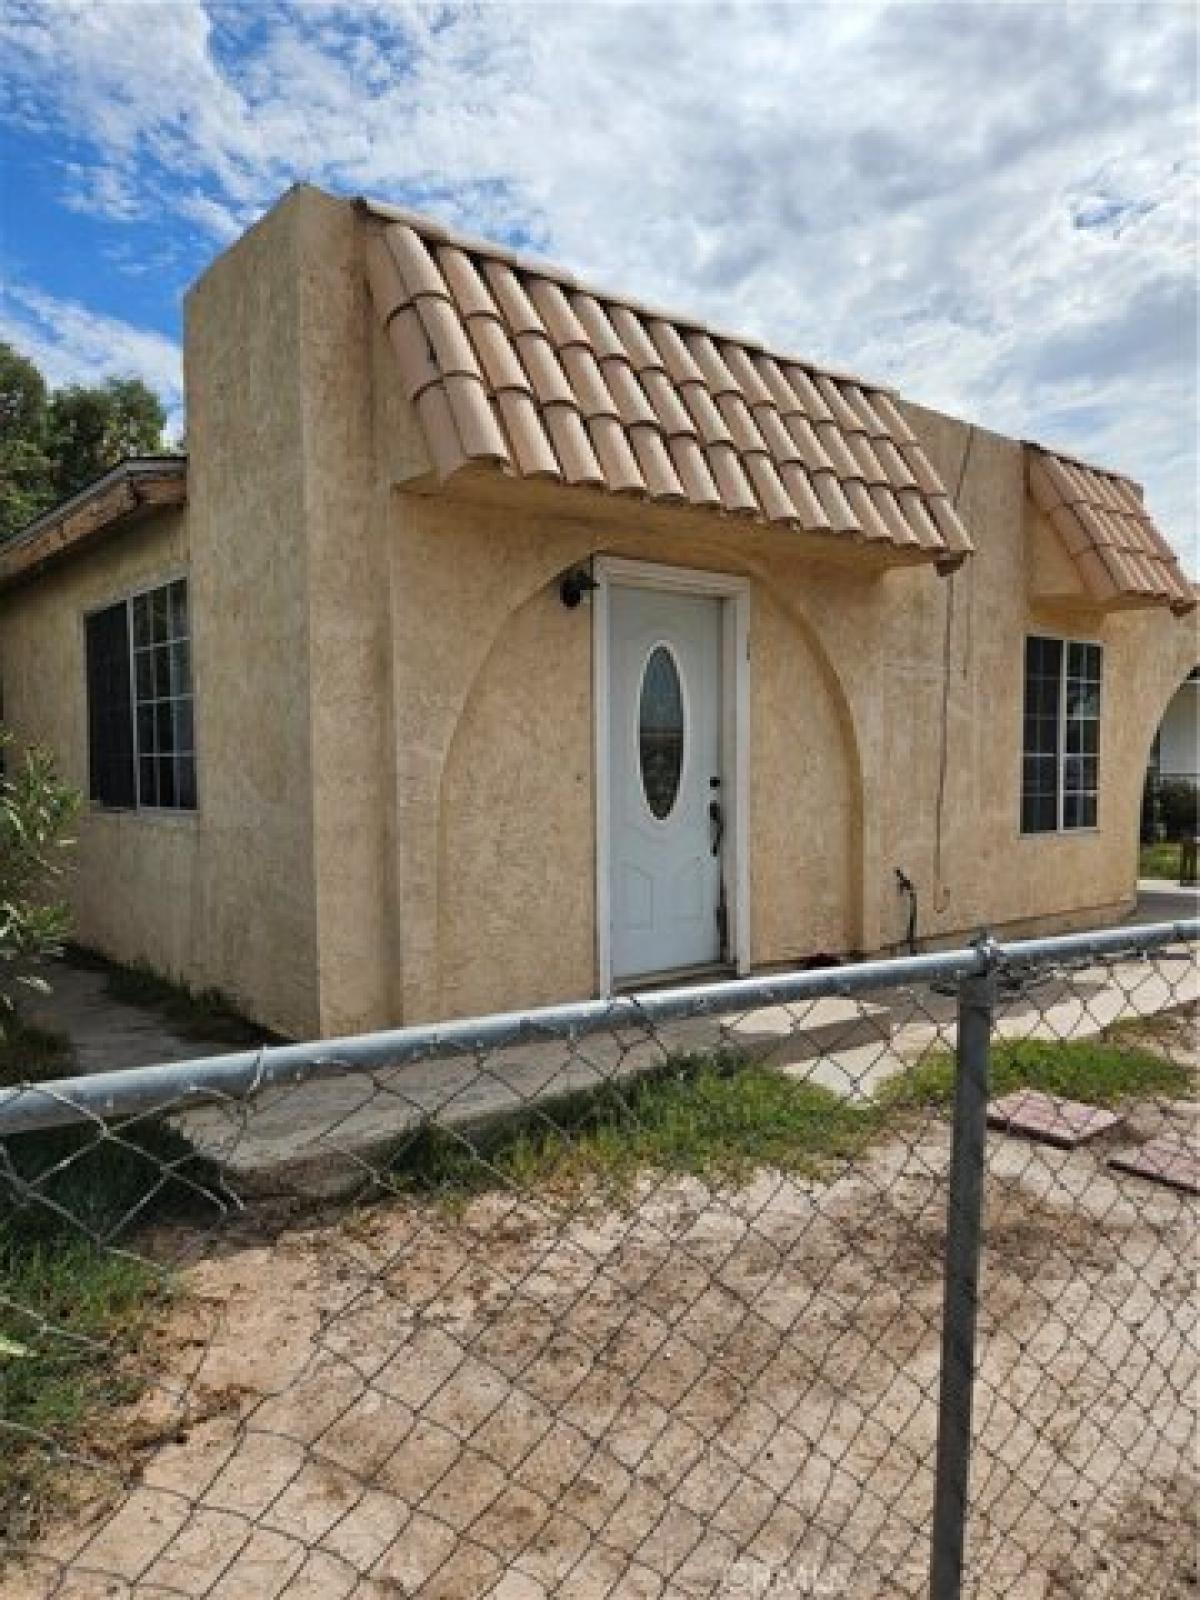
(322, 1135)
(106, 1034)
(1160, 900)
(332, 1127)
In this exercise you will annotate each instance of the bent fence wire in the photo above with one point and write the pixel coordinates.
(630, 1298)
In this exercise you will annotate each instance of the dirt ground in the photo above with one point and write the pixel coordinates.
(701, 1394)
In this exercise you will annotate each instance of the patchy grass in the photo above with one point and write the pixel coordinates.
(190, 1013)
(72, 1307)
(1102, 1071)
(30, 1054)
(73, 1344)
(1159, 861)
(70, 1319)
(721, 1119)
(1171, 1033)
(706, 1115)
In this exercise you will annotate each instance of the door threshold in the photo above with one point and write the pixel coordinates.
(674, 977)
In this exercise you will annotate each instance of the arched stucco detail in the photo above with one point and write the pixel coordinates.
(1163, 708)
(516, 863)
(849, 790)
(444, 566)
(515, 906)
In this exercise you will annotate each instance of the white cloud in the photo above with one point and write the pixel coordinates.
(71, 344)
(991, 205)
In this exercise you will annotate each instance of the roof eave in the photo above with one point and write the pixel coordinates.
(121, 496)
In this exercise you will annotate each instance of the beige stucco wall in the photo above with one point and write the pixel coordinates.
(133, 884)
(848, 679)
(395, 711)
(224, 897)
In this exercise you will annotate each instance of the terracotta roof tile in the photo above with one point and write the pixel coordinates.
(572, 446)
(899, 471)
(512, 364)
(602, 335)
(809, 446)
(710, 425)
(632, 404)
(560, 322)
(955, 537)
(667, 403)
(635, 339)
(732, 483)
(869, 464)
(834, 503)
(712, 367)
(812, 402)
(582, 372)
(622, 475)
(743, 429)
(466, 287)
(836, 449)
(546, 376)
(662, 480)
(739, 363)
(532, 451)
(1102, 520)
(688, 458)
(497, 355)
(892, 418)
(865, 411)
(511, 300)
(813, 515)
(447, 334)
(874, 520)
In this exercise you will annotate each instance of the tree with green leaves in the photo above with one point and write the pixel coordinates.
(26, 468)
(52, 442)
(36, 812)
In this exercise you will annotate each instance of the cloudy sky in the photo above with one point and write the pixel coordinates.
(991, 205)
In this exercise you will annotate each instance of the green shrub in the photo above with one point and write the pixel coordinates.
(1177, 808)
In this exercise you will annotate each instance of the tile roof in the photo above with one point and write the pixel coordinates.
(513, 365)
(1102, 520)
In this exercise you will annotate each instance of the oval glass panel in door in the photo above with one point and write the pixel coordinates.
(660, 731)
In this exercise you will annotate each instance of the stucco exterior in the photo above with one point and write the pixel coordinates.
(397, 761)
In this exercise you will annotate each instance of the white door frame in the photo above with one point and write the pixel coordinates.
(735, 736)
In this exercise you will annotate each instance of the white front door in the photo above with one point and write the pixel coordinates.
(667, 808)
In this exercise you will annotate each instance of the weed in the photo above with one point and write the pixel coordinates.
(1101, 1071)
(713, 1116)
(31, 1054)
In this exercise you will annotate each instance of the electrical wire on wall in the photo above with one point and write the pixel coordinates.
(941, 895)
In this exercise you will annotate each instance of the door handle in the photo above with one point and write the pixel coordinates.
(717, 817)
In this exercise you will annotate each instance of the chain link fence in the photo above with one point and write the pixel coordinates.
(721, 1291)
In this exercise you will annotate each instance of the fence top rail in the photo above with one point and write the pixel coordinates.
(240, 1075)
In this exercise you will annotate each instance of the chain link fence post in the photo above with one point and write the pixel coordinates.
(964, 1237)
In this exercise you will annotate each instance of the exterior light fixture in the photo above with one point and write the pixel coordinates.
(575, 585)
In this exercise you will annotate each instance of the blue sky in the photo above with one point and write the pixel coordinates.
(991, 205)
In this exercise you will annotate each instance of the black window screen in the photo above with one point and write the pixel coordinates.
(1060, 769)
(110, 708)
(162, 672)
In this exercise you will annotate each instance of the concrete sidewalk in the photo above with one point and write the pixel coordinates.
(335, 1124)
(332, 1128)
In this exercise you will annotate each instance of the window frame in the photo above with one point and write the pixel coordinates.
(175, 813)
(1061, 826)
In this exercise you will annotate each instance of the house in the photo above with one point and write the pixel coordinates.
(502, 641)
(1175, 752)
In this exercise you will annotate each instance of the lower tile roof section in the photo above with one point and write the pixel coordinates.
(514, 366)
(1101, 518)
